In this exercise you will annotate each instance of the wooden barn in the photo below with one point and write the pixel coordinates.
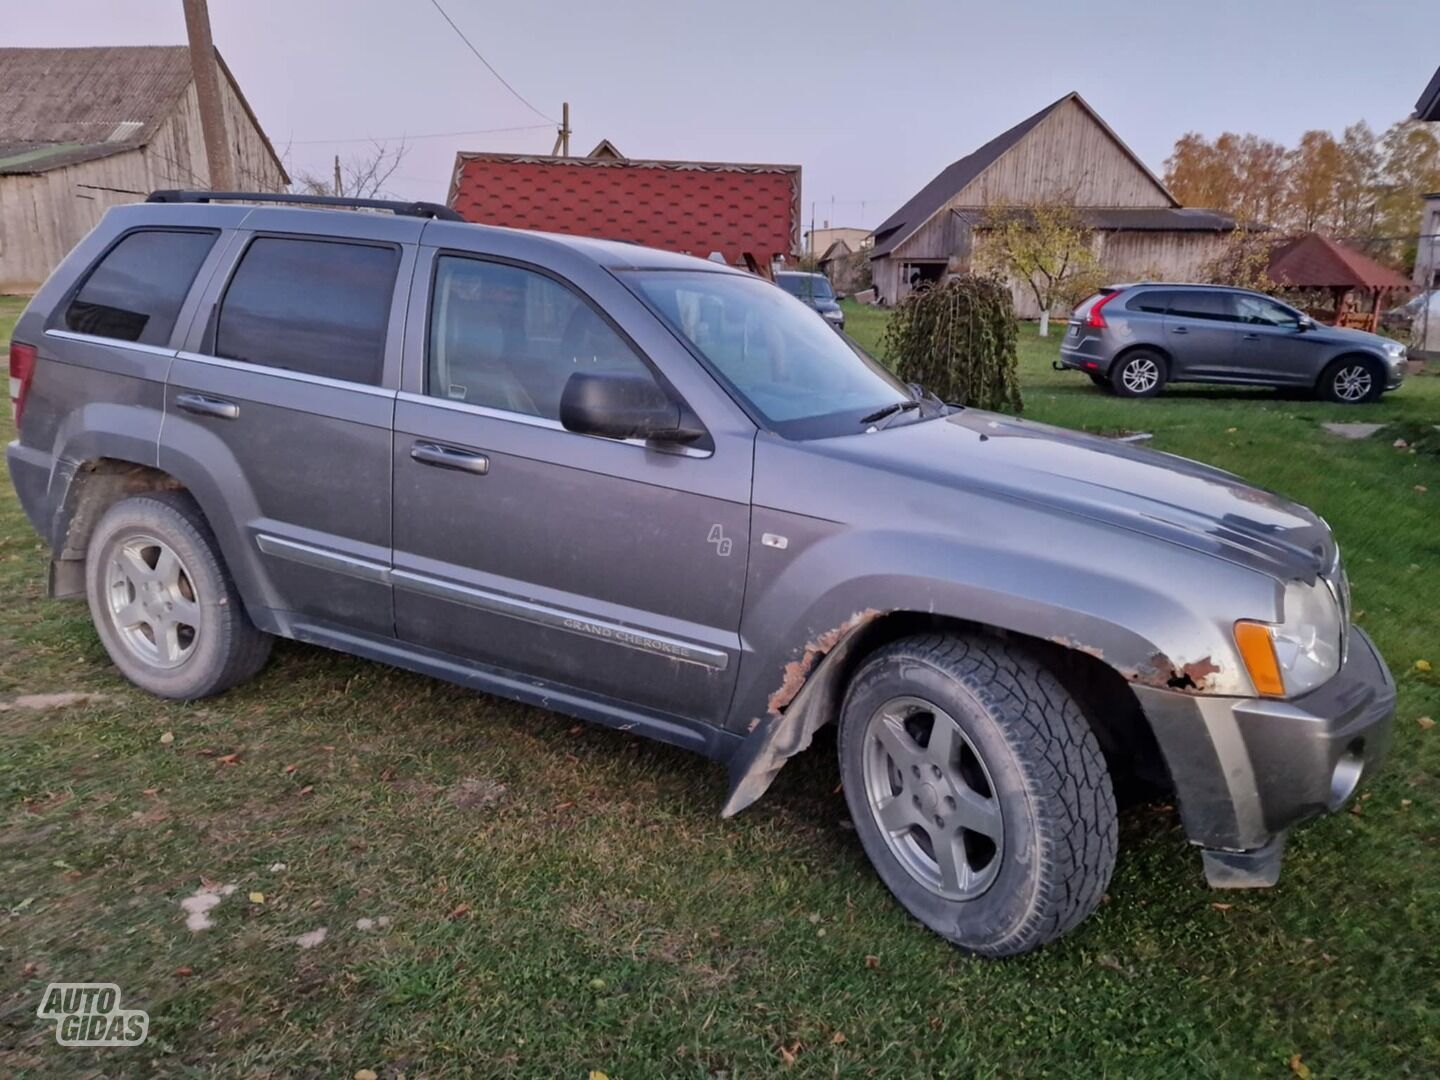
(1065, 152)
(84, 129)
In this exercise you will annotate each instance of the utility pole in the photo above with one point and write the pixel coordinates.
(207, 90)
(562, 134)
(338, 185)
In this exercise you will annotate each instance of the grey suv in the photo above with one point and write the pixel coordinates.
(1133, 339)
(660, 495)
(814, 291)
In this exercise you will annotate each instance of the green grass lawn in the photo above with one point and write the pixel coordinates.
(561, 898)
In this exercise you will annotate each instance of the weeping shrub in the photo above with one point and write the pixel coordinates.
(957, 339)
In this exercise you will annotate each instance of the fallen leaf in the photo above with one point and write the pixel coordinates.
(1299, 1068)
(1400, 444)
(1426, 722)
(257, 897)
(151, 791)
(458, 910)
(1422, 665)
(327, 747)
(578, 729)
(184, 972)
(313, 938)
(306, 790)
(838, 1039)
(167, 738)
(366, 1074)
(289, 769)
(1405, 804)
(787, 1054)
(1231, 430)
(229, 759)
(596, 1074)
(872, 962)
(565, 806)
(30, 968)
(1421, 488)
(1222, 907)
(597, 984)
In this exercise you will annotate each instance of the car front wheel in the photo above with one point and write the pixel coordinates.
(163, 603)
(1351, 381)
(978, 791)
(1138, 374)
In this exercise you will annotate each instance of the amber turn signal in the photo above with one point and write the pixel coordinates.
(1257, 649)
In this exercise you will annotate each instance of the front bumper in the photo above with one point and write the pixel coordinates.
(1247, 769)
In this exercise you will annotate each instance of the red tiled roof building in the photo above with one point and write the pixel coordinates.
(686, 206)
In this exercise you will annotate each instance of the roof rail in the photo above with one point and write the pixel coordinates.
(395, 206)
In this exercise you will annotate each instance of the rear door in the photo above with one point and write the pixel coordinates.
(1270, 345)
(1200, 335)
(613, 567)
(281, 406)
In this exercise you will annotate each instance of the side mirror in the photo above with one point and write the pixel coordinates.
(1305, 323)
(616, 406)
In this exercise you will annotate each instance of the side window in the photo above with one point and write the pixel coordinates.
(508, 338)
(1153, 301)
(320, 307)
(1200, 305)
(1258, 311)
(134, 293)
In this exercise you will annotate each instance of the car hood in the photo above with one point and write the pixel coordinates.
(1125, 486)
(1346, 336)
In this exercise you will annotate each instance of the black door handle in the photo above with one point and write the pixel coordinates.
(207, 406)
(1179, 330)
(448, 457)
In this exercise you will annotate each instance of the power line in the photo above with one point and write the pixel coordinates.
(490, 67)
(406, 138)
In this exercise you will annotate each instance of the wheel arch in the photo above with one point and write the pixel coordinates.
(1142, 346)
(1368, 358)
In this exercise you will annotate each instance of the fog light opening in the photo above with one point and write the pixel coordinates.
(1346, 777)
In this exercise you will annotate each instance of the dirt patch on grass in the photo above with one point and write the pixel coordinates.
(45, 702)
(476, 794)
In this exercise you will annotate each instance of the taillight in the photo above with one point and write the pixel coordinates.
(1096, 321)
(22, 368)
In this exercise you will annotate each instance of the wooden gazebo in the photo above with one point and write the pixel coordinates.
(1357, 284)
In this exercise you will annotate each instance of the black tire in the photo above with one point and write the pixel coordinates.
(1138, 374)
(1343, 381)
(223, 650)
(1039, 761)
(1102, 381)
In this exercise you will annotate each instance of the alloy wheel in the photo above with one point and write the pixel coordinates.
(1140, 375)
(930, 792)
(1353, 383)
(150, 598)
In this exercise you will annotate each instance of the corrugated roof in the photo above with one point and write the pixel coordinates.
(1130, 219)
(65, 106)
(685, 206)
(1317, 262)
(898, 227)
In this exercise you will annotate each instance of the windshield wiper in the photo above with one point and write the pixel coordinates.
(888, 411)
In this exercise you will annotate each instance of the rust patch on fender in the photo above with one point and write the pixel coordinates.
(1164, 674)
(796, 672)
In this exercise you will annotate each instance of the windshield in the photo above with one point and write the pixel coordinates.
(802, 377)
(806, 286)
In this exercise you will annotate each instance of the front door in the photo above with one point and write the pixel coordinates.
(1200, 335)
(1270, 345)
(282, 408)
(611, 567)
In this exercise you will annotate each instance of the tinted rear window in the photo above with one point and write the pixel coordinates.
(317, 306)
(1152, 300)
(1186, 304)
(135, 291)
(806, 286)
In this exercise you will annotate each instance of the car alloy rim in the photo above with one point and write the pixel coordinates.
(152, 603)
(930, 793)
(1353, 383)
(1140, 375)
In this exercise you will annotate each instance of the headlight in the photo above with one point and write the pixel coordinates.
(1395, 350)
(1299, 653)
(834, 316)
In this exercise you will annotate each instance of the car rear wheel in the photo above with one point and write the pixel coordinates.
(978, 791)
(1138, 374)
(1099, 380)
(163, 603)
(1352, 381)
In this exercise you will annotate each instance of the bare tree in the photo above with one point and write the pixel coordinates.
(361, 176)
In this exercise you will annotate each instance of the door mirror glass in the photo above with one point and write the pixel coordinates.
(620, 406)
(1305, 323)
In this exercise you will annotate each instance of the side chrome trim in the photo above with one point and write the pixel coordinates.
(560, 619)
(282, 373)
(110, 343)
(496, 603)
(324, 559)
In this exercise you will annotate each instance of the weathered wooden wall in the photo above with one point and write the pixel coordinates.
(43, 216)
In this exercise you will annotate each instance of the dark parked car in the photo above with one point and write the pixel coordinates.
(660, 495)
(813, 290)
(1134, 339)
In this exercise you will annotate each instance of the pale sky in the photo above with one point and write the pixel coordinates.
(870, 98)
